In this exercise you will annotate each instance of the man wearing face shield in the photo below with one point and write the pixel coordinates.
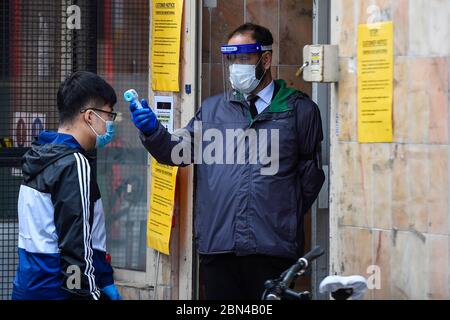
(245, 72)
(62, 239)
(248, 224)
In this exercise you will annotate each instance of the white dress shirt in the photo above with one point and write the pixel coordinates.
(265, 97)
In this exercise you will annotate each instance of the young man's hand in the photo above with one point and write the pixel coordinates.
(112, 292)
(144, 119)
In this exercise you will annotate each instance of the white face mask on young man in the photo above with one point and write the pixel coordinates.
(243, 77)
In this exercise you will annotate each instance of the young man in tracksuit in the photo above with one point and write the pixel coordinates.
(62, 240)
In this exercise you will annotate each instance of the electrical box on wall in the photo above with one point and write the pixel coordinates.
(321, 63)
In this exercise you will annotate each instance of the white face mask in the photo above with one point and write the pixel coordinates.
(243, 77)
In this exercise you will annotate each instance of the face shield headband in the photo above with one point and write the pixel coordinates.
(244, 48)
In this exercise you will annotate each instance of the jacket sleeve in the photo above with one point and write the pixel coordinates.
(310, 135)
(103, 270)
(73, 222)
(175, 149)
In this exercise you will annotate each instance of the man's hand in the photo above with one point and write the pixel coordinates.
(144, 119)
(112, 292)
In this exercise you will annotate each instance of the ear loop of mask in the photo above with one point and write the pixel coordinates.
(260, 73)
(90, 124)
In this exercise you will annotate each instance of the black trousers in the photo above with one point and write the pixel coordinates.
(230, 277)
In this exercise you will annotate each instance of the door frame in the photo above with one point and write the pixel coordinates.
(320, 214)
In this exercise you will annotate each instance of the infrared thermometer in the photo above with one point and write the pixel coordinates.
(131, 95)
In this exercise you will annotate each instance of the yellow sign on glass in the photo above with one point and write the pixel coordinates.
(166, 35)
(375, 82)
(159, 222)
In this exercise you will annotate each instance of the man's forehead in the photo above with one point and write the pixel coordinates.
(242, 38)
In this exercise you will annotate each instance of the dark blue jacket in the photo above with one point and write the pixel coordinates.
(238, 208)
(61, 224)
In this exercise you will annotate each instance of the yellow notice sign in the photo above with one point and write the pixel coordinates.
(159, 223)
(375, 82)
(166, 34)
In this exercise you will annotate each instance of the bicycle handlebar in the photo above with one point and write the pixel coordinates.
(302, 264)
(277, 289)
(314, 254)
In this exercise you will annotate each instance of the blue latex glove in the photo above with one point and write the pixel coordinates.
(112, 292)
(144, 119)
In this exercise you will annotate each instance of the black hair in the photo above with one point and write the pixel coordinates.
(260, 34)
(79, 90)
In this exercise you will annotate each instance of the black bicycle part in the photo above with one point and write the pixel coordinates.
(280, 288)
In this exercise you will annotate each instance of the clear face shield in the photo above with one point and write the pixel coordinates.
(242, 69)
